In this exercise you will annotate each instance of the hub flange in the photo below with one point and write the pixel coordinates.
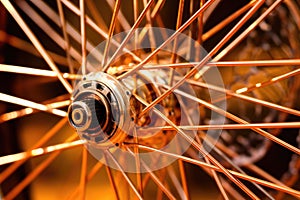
(100, 110)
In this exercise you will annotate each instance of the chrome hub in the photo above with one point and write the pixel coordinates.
(100, 110)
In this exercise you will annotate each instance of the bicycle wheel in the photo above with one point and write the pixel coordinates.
(165, 99)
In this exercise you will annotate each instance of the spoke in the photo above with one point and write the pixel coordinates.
(111, 178)
(227, 21)
(91, 175)
(83, 180)
(153, 176)
(162, 178)
(12, 168)
(175, 45)
(38, 152)
(110, 33)
(40, 168)
(36, 43)
(122, 19)
(96, 15)
(66, 38)
(201, 150)
(237, 174)
(262, 84)
(135, 16)
(176, 183)
(246, 98)
(218, 149)
(239, 120)
(149, 23)
(52, 15)
(35, 72)
(171, 38)
(244, 63)
(31, 104)
(295, 11)
(130, 33)
(108, 153)
(37, 19)
(247, 31)
(97, 28)
(273, 125)
(83, 36)
(212, 172)
(28, 47)
(269, 82)
(218, 182)
(27, 111)
(206, 58)
(159, 4)
(137, 163)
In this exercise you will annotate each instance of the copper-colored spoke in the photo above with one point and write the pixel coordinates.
(83, 173)
(83, 36)
(130, 33)
(183, 179)
(12, 168)
(240, 121)
(111, 178)
(178, 24)
(171, 38)
(66, 37)
(197, 138)
(109, 154)
(153, 176)
(246, 98)
(244, 63)
(269, 82)
(27, 111)
(28, 47)
(135, 16)
(91, 175)
(273, 125)
(96, 15)
(193, 154)
(262, 84)
(41, 167)
(149, 23)
(28, 10)
(295, 11)
(221, 149)
(31, 104)
(38, 152)
(237, 174)
(201, 150)
(36, 43)
(207, 57)
(218, 182)
(241, 36)
(137, 163)
(110, 33)
(200, 31)
(73, 32)
(162, 177)
(227, 21)
(176, 182)
(159, 4)
(90, 22)
(122, 19)
(35, 72)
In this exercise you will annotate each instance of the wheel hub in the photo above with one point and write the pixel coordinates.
(100, 110)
